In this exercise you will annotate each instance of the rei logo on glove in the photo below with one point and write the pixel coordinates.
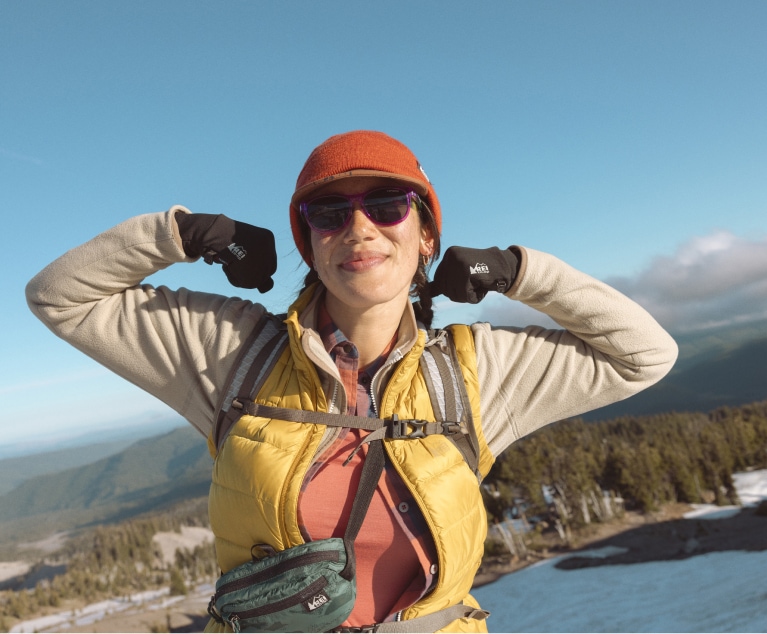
(479, 268)
(238, 251)
(316, 601)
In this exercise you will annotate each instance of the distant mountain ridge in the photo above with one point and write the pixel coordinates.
(149, 475)
(718, 367)
(125, 431)
(13, 471)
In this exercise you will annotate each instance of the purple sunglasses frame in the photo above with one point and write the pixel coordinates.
(360, 198)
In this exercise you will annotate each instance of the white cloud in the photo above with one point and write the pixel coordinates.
(711, 280)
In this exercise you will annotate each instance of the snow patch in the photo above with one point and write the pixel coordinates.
(13, 569)
(752, 489)
(189, 538)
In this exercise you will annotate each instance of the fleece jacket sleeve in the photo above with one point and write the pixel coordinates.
(609, 349)
(177, 345)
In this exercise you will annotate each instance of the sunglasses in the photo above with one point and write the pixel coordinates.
(384, 206)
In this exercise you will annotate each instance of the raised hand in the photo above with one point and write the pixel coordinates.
(466, 275)
(247, 253)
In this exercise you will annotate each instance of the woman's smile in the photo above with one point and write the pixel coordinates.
(361, 262)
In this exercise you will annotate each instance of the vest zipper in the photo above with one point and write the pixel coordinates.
(331, 433)
(377, 375)
(281, 514)
(333, 398)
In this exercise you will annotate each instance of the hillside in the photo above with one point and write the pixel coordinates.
(126, 431)
(714, 369)
(150, 474)
(14, 471)
(696, 346)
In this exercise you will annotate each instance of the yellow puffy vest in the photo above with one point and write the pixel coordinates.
(259, 470)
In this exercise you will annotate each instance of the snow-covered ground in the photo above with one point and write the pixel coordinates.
(751, 488)
(715, 592)
(188, 538)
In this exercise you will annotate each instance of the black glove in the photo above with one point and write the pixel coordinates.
(247, 252)
(466, 275)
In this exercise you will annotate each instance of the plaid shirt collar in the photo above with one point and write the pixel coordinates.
(346, 357)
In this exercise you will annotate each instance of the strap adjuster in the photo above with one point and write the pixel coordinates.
(398, 428)
(451, 429)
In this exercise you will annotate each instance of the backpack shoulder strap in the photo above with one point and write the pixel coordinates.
(265, 345)
(256, 358)
(447, 391)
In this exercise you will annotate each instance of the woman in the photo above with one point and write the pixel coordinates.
(366, 219)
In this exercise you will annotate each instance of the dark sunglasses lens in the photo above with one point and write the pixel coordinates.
(387, 206)
(328, 213)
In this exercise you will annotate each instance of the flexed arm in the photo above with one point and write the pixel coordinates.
(608, 349)
(176, 345)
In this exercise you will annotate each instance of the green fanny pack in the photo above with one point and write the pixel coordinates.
(307, 588)
(300, 589)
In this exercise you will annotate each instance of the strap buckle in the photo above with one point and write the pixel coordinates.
(399, 427)
(422, 428)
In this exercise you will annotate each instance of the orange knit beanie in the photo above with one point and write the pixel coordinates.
(355, 154)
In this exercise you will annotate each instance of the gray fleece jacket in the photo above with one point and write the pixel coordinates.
(179, 345)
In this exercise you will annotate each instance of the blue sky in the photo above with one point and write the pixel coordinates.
(627, 138)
